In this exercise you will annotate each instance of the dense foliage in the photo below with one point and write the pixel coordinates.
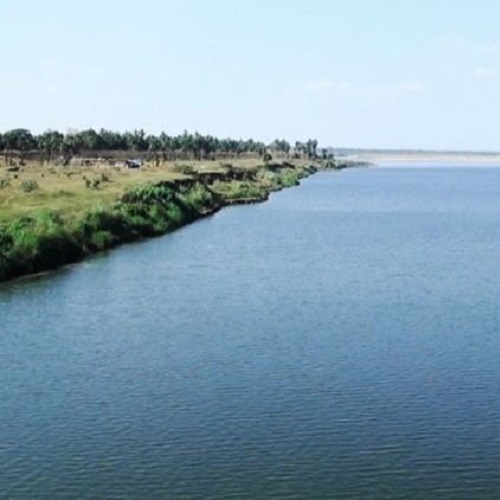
(52, 144)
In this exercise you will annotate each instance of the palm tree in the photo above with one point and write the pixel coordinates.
(154, 147)
(71, 146)
(19, 139)
(48, 143)
(299, 149)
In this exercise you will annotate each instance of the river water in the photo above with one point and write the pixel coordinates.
(339, 341)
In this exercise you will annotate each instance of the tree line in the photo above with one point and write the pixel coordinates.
(52, 144)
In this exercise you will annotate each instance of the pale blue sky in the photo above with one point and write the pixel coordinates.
(354, 73)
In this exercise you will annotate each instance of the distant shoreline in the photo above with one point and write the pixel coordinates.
(486, 158)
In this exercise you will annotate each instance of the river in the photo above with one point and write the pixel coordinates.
(338, 341)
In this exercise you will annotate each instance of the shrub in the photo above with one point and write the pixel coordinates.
(101, 240)
(149, 193)
(183, 169)
(198, 197)
(31, 244)
(29, 185)
(92, 183)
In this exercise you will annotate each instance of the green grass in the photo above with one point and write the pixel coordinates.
(56, 221)
(241, 190)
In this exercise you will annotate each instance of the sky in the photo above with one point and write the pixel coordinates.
(402, 74)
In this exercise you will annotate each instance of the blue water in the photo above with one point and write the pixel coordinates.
(339, 341)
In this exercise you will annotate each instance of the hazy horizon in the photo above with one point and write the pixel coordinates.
(357, 74)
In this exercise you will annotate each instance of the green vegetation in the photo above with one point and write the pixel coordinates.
(52, 145)
(29, 185)
(240, 191)
(66, 196)
(46, 239)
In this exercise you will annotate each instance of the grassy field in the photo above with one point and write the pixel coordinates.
(72, 191)
(51, 216)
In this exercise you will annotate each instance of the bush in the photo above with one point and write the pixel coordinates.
(183, 169)
(32, 244)
(198, 197)
(158, 193)
(29, 185)
(92, 183)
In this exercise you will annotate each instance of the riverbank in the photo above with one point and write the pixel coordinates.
(43, 235)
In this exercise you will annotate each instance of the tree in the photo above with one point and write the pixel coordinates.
(49, 142)
(90, 140)
(311, 148)
(299, 149)
(197, 145)
(280, 146)
(19, 139)
(113, 141)
(71, 146)
(176, 143)
(285, 147)
(165, 145)
(154, 147)
(186, 145)
(136, 141)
